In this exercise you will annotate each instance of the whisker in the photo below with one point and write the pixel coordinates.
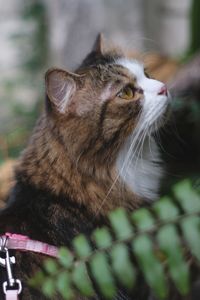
(135, 136)
(135, 150)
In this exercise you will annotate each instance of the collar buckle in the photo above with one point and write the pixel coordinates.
(7, 261)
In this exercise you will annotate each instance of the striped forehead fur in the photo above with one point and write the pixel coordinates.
(93, 59)
(113, 65)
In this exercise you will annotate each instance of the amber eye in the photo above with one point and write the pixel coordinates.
(128, 92)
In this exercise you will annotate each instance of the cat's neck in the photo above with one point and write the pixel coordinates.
(143, 170)
(46, 164)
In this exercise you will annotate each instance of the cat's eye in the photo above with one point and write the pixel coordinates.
(128, 92)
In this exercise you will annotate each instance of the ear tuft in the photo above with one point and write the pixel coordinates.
(99, 45)
(60, 88)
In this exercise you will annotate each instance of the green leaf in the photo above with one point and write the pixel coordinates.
(157, 245)
(122, 267)
(102, 238)
(187, 196)
(143, 219)
(81, 280)
(63, 284)
(166, 209)
(153, 270)
(101, 272)
(48, 287)
(65, 257)
(120, 224)
(81, 246)
(168, 240)
(191, 233)
(37, 280)
(50, 266)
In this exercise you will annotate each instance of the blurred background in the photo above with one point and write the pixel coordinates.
(38, 34)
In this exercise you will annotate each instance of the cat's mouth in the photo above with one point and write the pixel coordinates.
(165, 116)
(156, 115)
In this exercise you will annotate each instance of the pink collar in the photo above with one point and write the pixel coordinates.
(23, 243)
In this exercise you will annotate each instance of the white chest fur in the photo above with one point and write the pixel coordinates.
(141, 170)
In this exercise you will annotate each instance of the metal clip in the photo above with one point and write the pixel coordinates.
(17, 281)
(7, 262)
(3, 242)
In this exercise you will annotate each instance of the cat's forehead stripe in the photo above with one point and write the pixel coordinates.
(135, 67)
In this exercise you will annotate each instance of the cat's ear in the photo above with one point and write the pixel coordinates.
(99, 44)
(60, 88)
(103, 46)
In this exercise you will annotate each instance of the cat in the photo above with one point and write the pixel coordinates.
(92, 150)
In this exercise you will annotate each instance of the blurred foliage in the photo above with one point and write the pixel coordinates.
(14, 142)
(179, 142)
(163, 240)
(36, 10)
(34, 56)
(195, 25)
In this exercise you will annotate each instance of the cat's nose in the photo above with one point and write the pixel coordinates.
(163, 90)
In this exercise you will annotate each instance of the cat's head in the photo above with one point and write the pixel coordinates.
(104, 101)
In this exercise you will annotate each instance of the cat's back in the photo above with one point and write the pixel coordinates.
(44, 216)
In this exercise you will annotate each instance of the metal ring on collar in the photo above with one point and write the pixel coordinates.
(17, 281)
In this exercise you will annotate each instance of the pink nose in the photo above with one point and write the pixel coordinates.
(163, 91)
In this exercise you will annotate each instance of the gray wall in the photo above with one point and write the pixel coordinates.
(136, 24)
(167, 24)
